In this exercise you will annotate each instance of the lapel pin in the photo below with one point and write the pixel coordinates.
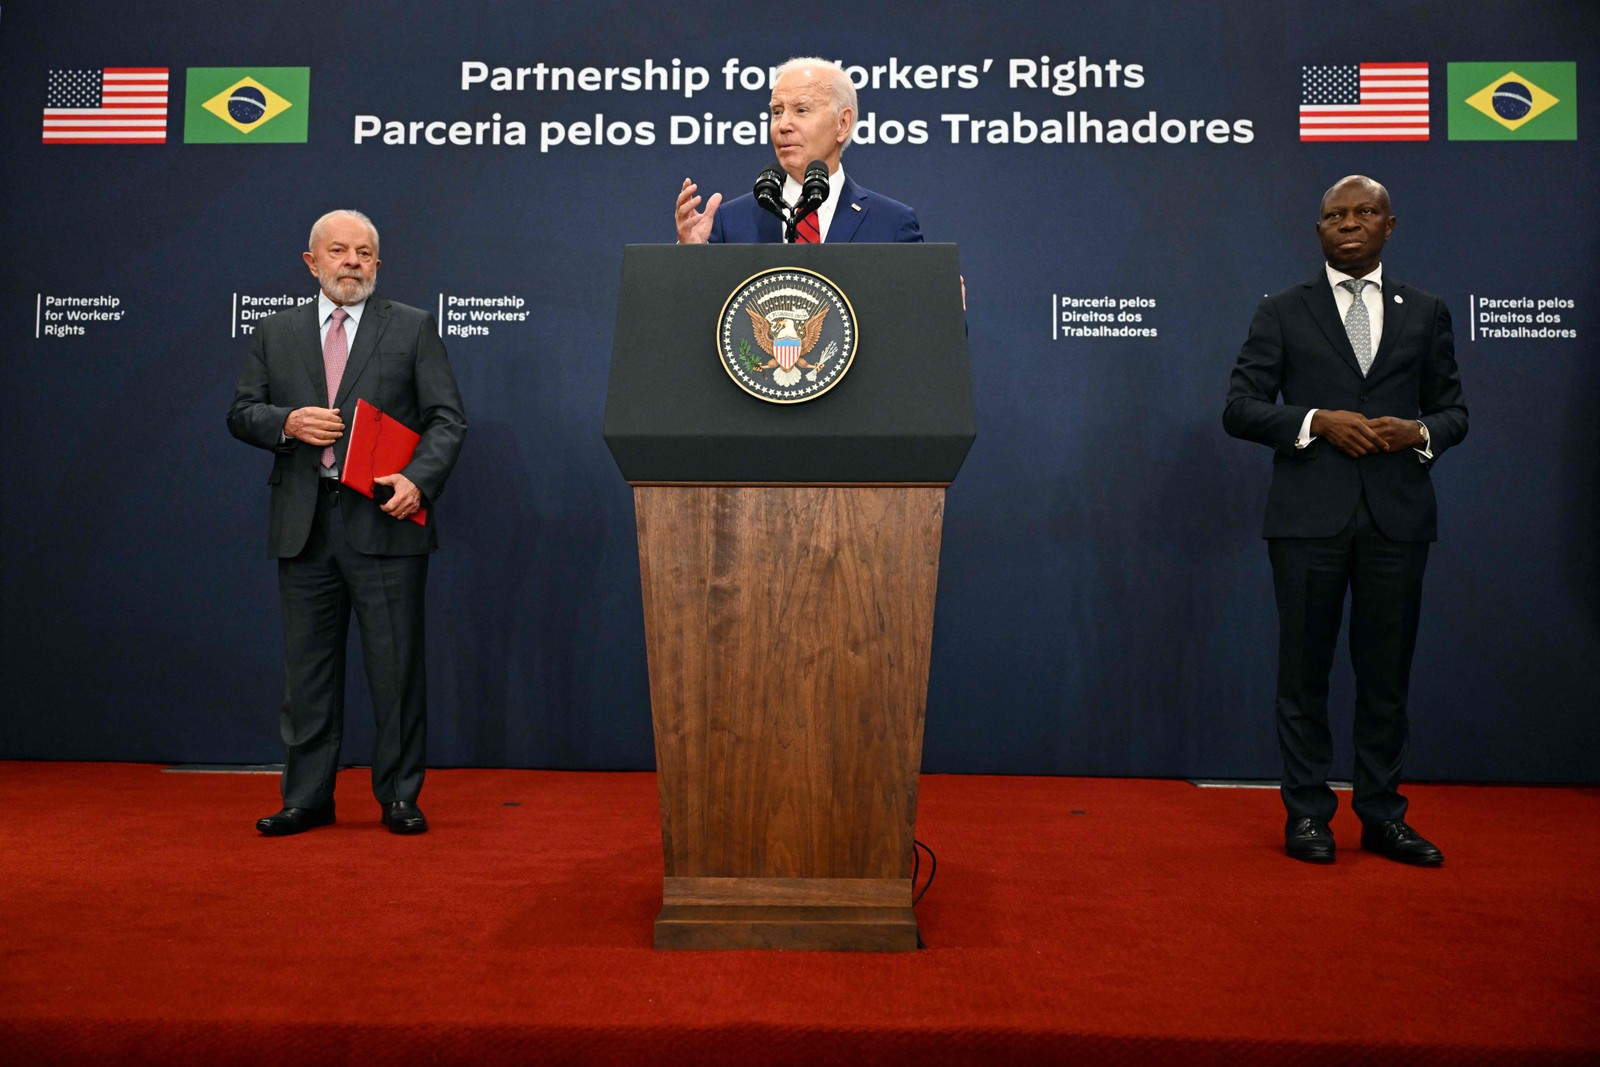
(856, 206)
(1397, 299)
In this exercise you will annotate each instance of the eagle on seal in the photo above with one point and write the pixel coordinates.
(787, 339)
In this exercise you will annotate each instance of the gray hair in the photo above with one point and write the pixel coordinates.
(344, 212)
(840, 88)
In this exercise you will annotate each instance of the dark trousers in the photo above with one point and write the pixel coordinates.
(319, 587)
(1383, 579)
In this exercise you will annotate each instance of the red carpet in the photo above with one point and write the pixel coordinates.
(143, 921)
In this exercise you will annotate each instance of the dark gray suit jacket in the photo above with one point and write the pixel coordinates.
(1298, 348)
(398, 364)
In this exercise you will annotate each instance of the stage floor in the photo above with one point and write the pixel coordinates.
(142, 920)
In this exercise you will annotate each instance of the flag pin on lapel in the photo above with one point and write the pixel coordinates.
(856, 206)
(1397, 299)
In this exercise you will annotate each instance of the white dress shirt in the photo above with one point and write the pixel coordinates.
(791, 196)
(1372, 297)
(325, 317)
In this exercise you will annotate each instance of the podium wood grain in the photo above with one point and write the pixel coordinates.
(789, 631)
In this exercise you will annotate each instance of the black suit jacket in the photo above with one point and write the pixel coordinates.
(1298, 349)
(397, 363)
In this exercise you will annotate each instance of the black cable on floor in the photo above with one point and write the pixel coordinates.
(916, 868)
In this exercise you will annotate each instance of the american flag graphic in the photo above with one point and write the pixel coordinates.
(117, 105)
(1365, 102)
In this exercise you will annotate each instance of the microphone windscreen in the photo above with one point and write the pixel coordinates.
(769, 190)
(814, 188)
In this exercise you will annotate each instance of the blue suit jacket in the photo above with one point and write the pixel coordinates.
(862, 216)
(1298, 349)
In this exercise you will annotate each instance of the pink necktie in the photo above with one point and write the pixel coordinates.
(335, 351)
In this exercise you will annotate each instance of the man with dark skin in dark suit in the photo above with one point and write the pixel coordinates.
(1365, 367)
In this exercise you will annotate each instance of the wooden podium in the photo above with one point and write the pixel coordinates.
(789, 557)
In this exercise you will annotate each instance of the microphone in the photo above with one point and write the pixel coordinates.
(769, 190)
(813, 189)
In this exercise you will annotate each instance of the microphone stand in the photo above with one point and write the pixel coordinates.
(769, 197)
(800, 211)
(768, 192)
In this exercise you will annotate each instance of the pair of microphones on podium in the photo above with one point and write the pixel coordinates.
(813, 194)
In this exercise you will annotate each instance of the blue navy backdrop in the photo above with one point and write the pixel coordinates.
(1105, 603)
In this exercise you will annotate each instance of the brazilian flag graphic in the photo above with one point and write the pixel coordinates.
(1513, 101)
(241, 105)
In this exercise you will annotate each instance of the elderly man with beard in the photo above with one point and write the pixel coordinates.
(339, 550)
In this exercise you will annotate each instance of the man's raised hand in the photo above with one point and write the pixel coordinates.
(694, 227)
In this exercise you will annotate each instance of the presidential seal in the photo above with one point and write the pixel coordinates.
(787, 335)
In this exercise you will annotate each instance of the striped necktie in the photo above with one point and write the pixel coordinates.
(807, 232)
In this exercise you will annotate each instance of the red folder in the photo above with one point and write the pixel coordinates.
(379, 445)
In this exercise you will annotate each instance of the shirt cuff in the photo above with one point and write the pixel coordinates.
(1305, 437)
(1425, 450)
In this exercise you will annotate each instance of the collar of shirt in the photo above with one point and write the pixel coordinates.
(791, 196)
(1371, 295)
(325, 316)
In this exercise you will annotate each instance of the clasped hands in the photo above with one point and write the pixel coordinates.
(1356, 435)
(321, 427)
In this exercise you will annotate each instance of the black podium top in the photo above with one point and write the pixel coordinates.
(902, 413)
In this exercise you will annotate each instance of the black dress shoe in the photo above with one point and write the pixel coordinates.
(404, 817)
(295, 820)
(1397, 841)
(1308, 839)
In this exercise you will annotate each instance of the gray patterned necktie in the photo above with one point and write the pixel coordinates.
(1358, 324)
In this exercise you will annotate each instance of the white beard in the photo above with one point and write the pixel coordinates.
(331, 284)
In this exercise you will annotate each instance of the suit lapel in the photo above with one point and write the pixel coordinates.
(769, 229)
(847, 216)
(372, 324)
(1319, 300)
(1394, 320)
(308, 338)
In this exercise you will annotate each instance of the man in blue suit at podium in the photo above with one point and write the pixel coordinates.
(813, 113)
